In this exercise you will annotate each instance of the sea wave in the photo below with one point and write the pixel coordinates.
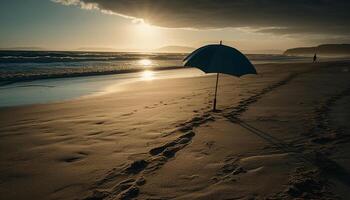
(53, 56)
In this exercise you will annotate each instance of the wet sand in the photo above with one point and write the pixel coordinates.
(282, 134)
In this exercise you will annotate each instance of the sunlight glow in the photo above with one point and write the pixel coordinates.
(147, 75)
(146, 36)
(145, 28)
(145, 62)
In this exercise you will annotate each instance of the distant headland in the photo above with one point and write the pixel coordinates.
(324, 49)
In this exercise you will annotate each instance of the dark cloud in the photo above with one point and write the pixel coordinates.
(276, 16)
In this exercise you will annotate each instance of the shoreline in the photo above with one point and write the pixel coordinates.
(12, 80)
(66, 89)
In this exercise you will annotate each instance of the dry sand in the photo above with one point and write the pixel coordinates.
(282, 134)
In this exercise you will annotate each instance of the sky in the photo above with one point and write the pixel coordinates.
(141, 25)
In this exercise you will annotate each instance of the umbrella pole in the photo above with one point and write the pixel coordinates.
(216, 90)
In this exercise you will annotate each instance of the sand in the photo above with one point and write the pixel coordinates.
(282, 134)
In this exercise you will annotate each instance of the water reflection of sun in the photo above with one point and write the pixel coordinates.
(145, 62)
(147, 75)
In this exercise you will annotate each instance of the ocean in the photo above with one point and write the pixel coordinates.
(32, 65)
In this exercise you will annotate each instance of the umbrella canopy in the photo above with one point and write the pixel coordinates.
(218, 58)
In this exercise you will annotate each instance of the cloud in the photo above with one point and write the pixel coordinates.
(266, 16)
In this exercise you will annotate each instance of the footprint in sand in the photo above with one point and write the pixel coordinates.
(73, 158)
(95, 133)
(100, 122)
(127, 114)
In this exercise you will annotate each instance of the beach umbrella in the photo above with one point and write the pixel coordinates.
(219, 58)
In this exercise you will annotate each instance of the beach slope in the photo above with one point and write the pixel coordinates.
(281, 134)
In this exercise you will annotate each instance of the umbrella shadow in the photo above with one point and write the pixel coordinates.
(319, 160)
(280, 144)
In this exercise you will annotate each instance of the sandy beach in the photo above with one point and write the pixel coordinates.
(281, 134)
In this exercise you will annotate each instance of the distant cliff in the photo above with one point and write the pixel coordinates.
(325, 49)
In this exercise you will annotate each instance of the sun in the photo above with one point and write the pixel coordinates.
(144, 28)
(146, 36)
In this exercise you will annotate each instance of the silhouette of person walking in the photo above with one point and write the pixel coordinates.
(315, 58)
